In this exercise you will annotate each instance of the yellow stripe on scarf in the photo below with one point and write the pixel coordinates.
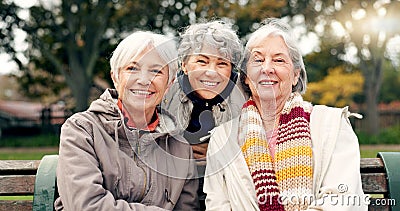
(300, 150)
(292, 172)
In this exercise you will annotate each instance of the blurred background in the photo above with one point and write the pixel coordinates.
(54, 58)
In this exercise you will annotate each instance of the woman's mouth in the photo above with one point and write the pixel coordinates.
(267, 83)
(142, 93)
(209, 83)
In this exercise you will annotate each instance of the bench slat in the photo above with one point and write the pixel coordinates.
(11, 185)
(374, 183)
(371, 165)
(17, 177)
(22, 205)
(19, 165)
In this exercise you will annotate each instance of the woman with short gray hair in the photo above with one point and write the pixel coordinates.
(206, 92)
(123, 152)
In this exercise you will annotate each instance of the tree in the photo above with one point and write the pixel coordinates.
(364, 27)
(247, 15)
(74, 38)
(331, 92)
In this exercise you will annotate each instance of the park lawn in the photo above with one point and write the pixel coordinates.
(11, 198)
(368, 153)
(31, 153)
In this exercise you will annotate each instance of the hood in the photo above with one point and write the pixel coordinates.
(107, 109)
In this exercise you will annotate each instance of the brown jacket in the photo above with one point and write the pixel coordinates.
(103, 165)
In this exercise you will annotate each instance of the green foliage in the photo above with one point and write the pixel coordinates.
(318, 63)
(390, 90)
(336, 89)
(389, 135)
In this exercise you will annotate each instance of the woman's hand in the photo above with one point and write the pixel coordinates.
(200, 150)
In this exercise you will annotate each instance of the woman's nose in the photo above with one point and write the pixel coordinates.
(145, 78)
(267, 67)
(211, 69)
(211, 72)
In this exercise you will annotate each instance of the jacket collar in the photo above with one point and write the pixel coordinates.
(189, 93)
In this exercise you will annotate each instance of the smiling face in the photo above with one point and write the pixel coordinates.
(208, 72)
(143, 82)
(270, 70)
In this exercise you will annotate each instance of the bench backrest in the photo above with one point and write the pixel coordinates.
(30, 183)
(34, 177)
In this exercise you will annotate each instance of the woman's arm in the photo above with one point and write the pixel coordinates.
(214, 183)
(79, 178)
(341, 186)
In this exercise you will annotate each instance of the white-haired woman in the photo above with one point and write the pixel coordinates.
(282, 153)
(123, 152)
(206, 92)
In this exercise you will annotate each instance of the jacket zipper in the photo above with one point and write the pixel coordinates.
(145, 175)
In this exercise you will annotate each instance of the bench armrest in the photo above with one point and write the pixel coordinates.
(392, 162)
(45, 184)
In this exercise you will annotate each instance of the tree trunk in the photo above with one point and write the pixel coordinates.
(80, 84)
(81, 96)
(372, 71)
(372, 113)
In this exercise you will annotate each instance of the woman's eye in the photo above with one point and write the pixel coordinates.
(279, 60)
(223, 64)
(132, 68)
(201, 61)
(257, 60)
(156, 71)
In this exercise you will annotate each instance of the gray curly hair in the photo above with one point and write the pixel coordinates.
(276, 27)
(216, 34)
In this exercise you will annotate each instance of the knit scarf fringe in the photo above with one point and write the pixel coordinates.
(285, 182)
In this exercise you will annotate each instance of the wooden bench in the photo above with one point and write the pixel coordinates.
(380, 177)
(35, 179)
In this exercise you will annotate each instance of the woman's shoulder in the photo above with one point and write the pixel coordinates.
(326, 112)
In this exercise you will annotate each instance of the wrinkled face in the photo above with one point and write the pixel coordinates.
(143, 82)
(270, 70)
(208, 72)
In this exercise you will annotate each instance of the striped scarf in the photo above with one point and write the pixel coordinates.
(279, 182)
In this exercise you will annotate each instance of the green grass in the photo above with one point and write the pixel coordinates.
(21, 155)
(11, 198)
(372, 153)
(30, 141)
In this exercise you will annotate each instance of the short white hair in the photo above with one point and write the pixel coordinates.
(136, 42)
(277, 27)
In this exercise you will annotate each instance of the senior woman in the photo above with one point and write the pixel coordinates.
(282, 153)
(123, 152)
(206, 92)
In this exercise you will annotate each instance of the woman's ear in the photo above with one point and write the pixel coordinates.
(183, 65)
(114, 79)
(296, 77)
(246, 81)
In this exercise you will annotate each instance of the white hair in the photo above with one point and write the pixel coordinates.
(138, 41)
(276, 27)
